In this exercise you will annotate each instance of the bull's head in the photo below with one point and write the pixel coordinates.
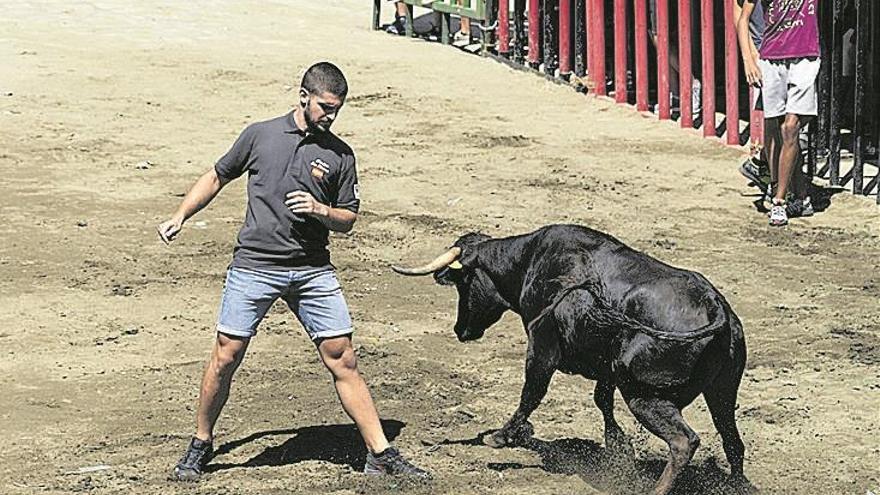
(479, 303)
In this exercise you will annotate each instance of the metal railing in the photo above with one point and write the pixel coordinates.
(602, 46)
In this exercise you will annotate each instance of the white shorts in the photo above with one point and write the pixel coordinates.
(789, 86)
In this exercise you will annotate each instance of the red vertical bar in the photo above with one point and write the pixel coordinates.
(596, 44)
(641, 38)
(503, 27)
(620, 51)
(663, 58)
(731, 96)
(534, 30)
(564, 37)
(707, 31)
(756, 124)
(685, 64)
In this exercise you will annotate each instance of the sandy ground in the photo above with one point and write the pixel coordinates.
(104, 331)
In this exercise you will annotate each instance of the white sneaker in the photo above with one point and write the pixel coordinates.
(778, 216)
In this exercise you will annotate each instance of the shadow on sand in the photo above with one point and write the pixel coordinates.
(339, 444)
(611, 474)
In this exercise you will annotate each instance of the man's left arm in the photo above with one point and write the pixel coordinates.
(340, 215)
(335, 219)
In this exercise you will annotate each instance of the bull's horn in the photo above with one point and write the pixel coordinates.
(441, 261)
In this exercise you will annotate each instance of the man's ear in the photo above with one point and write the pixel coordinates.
(303, 97)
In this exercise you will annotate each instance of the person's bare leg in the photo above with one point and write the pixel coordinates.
(401, 9)
(788, 154)
(225, 358)
(773, 145)
(338, 356)
(465, 26)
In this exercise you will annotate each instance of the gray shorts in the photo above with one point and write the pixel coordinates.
(314, 296)
(789, 86)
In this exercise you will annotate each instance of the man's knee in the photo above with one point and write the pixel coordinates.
(790, 129)
(339, 356)
(228, 353)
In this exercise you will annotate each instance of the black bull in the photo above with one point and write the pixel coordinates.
(594, 307)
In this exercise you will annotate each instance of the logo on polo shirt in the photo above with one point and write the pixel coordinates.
(319, 168)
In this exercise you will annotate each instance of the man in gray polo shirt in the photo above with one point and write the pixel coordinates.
(302, 183)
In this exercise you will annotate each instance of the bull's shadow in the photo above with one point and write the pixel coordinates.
(611, 474)
(339, 444)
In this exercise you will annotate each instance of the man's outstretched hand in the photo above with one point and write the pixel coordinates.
(169, 230)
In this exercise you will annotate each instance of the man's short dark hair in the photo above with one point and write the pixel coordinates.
(325, 77)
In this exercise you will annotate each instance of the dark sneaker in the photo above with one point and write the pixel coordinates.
(799, 208)
(198, 454)
(398, 27)
(757, 172)
(390, 462)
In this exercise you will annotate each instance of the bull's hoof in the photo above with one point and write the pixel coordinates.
(510, 436)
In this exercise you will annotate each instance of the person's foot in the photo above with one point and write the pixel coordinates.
(390, 462)
(462, 36)
(193, 462)
(757, 172)
(800, 208)
(398, 27)
(778, 216)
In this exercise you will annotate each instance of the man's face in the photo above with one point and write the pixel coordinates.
(320, 110)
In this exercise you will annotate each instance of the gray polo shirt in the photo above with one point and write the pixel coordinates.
(280, 158)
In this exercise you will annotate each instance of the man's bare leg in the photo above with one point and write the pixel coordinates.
(788, 154)
(225, 358)
(338, 356)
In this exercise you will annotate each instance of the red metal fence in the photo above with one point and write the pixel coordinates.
(579, 40)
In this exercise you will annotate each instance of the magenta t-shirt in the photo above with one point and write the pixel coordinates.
(791, 29)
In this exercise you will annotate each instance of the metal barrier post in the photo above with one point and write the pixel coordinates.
(756, 122)
(377, 14)
(731, 95)
(549, 19)
(487, 33)
(707, 29)
(641, 38)
(534, 34)
(836, 94)
(596, 45)
(620, 43)
(858, 130)
(663, 59)
(685, 64)
(503, 47)
(580, 38)
(519, 31)
(409, 21)
(564, 39)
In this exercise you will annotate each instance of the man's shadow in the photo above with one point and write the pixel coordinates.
(613, 474)
(339, 444)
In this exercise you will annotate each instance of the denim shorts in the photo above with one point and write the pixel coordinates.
(314, 296)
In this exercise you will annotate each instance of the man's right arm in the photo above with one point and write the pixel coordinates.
(199, 195)
(746, 45)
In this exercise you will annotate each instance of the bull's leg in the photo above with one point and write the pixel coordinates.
(616, 440)
(721, 399)
(543, 357)
(662, 418)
